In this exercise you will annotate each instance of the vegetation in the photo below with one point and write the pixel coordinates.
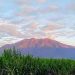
(13, 63)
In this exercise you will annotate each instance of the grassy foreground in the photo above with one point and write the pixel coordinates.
(13, 63)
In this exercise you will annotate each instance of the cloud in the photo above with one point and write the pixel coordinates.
(28, 8)
(33, 19)
(10, 29)
(9, 40)
(45, 31)
(52, 27)
(51, 8)
(64, 32)
(41, 1)
(33, 27)
(50, 30)
(71, 6)
(22, 2)
(69, 41)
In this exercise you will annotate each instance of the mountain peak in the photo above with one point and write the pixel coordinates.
(45, 42)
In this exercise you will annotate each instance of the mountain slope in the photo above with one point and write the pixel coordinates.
(46, 48)
(40, 43)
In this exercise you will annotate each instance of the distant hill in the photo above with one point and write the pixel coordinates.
(40, 43)
(43, 48)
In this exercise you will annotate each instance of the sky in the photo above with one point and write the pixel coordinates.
(21, 19)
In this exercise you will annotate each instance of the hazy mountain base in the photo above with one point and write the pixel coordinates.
(43, 48)
(68, 53)
(13, 63)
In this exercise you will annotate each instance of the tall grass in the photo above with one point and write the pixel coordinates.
(13, 63)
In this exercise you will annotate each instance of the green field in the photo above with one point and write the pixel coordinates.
(13, 63)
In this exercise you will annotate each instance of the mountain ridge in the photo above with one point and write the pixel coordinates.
(27, 43)
(46, 48)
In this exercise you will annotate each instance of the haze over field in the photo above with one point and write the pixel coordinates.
(22, 19)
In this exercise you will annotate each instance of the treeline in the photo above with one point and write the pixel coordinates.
(13, 63)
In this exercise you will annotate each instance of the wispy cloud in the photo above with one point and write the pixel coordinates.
(52, 27)
(37, 18)
(10, 29)
(41, 1)
(71, 6)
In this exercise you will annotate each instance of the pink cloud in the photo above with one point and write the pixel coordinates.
(41, 1)
(27, 10)
(31, 27)
(23, 2)
(71, 6)
(52, 27)
(48, 9)
(10, 29)
(53, 8)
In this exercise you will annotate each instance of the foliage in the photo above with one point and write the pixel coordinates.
(13, 63)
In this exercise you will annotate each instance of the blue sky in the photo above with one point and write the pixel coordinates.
(53, 19)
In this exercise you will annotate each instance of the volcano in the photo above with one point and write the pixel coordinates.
(40, 43)
(43, 48)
